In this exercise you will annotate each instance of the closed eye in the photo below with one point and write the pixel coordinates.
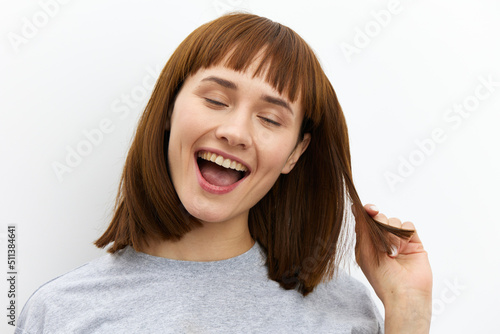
(216, 103)
(270, 121)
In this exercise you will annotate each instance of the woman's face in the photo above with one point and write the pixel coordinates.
(245, 127)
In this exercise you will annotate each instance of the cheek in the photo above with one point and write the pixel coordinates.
(185, 124)
(275, 151)
(179, 137)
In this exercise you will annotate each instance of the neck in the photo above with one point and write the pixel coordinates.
(210, 242)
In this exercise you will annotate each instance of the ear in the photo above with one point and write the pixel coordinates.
(295, 155)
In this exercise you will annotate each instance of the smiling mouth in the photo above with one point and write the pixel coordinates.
(220, 171)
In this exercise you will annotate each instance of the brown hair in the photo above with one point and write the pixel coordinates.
(301, 221)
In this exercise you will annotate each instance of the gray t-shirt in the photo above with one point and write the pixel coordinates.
(133, 292)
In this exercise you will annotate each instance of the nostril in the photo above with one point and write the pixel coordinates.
(236, 129)
(236, 139)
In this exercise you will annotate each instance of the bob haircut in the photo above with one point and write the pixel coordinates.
(301, 221)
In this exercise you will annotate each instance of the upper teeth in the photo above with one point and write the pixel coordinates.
(219, 160)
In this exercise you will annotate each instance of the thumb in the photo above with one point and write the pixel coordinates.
(371, 209)
(364, 247)
(367, 249)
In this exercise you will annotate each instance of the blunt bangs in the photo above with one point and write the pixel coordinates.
(236, 41)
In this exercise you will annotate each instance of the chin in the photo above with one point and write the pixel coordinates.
(206, 215)
(214, 214)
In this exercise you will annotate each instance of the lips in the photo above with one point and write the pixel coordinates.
(219, 173)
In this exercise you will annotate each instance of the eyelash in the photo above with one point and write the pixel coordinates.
(216, 103)
(270, 121)
(220, 104)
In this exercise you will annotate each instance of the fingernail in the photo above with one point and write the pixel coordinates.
(394, 251)
(374, 208)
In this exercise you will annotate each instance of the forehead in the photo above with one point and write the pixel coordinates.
(269, 63)
(248, 75)
(262, 67)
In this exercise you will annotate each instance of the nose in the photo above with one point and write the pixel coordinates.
(235, 128)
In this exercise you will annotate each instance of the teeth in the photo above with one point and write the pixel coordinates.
(219, 160)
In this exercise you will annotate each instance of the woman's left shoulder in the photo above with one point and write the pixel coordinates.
(347, 293)
(345, 284)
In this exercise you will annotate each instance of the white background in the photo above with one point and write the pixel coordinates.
(79, 65)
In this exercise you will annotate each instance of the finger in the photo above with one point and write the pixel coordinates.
(371, 209)
(410, 226)
(414, 244)
(381, 218)
(394, 222)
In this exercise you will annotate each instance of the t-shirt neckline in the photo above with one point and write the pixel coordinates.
(254, 253)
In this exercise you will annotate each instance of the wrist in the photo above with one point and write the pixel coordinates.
(408, 313)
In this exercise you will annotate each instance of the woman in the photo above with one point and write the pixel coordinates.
(233, 209)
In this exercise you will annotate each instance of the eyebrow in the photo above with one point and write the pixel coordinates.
(223, 82)
(267, 98)
(277, 101)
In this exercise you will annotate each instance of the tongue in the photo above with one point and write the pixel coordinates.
(218, 175)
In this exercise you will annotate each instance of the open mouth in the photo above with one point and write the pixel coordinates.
(220, 171)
